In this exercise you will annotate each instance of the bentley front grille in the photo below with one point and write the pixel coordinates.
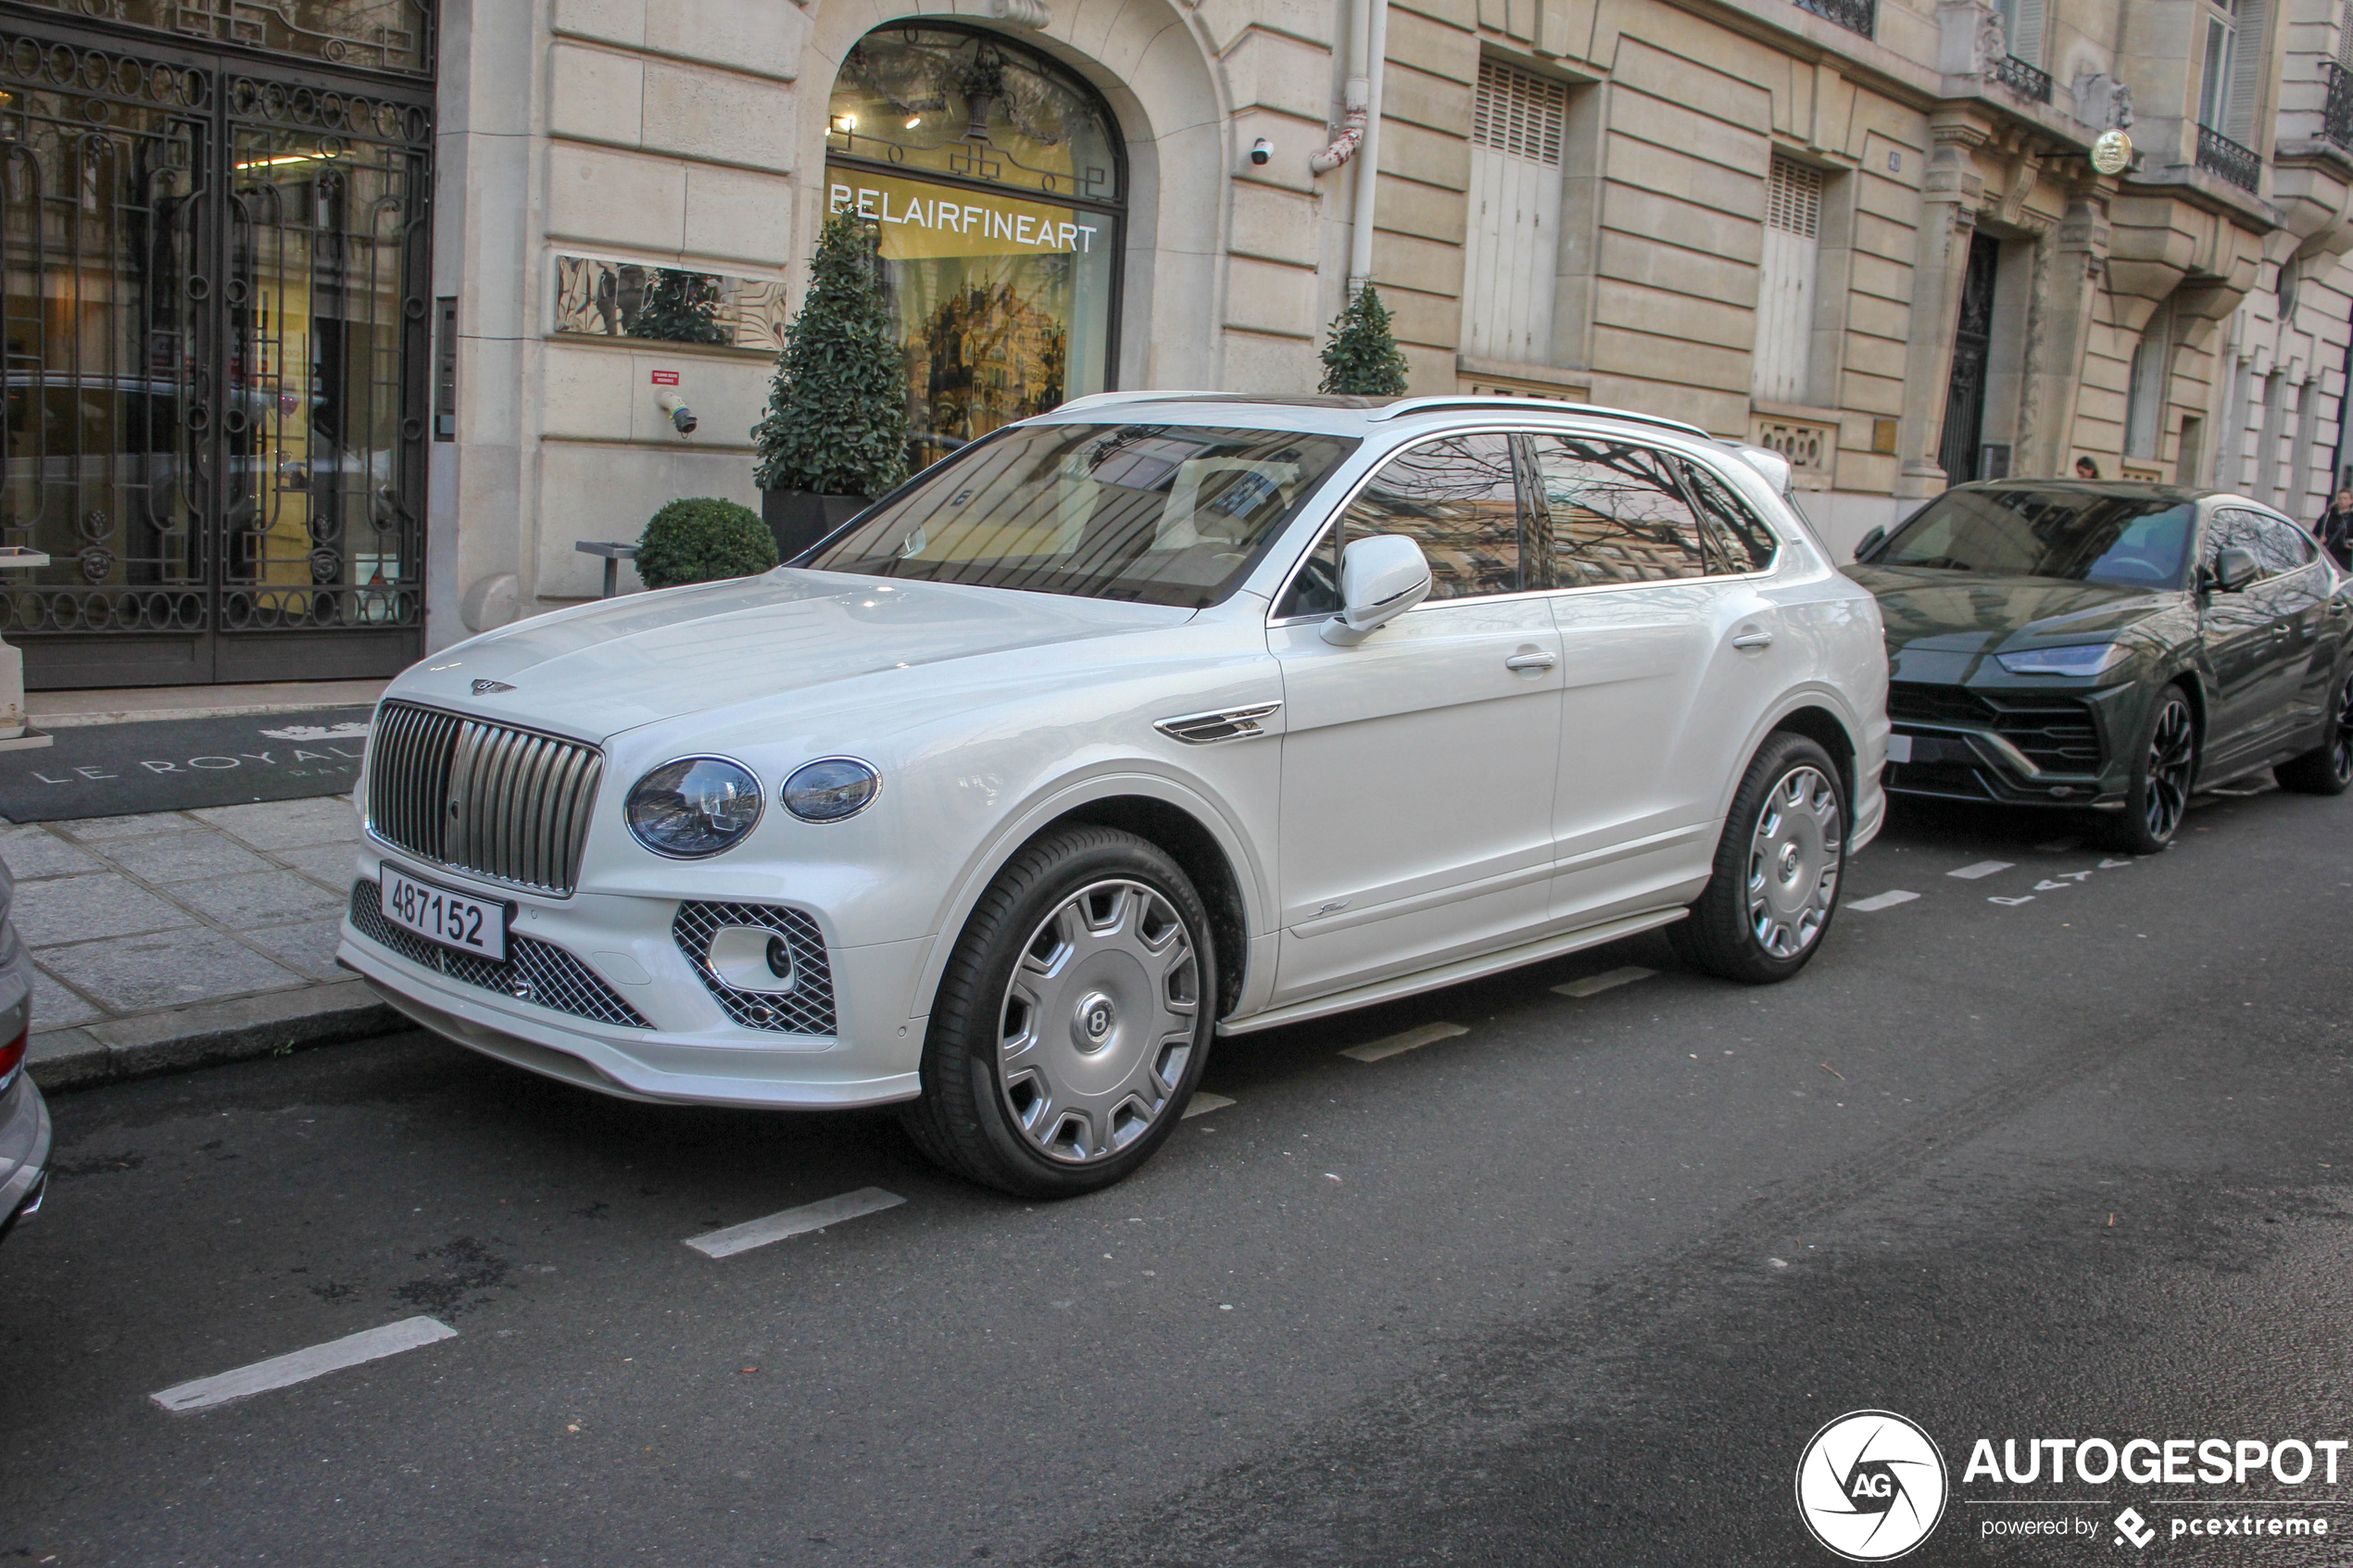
(536, 971)
(806, 1008)
(499, 802)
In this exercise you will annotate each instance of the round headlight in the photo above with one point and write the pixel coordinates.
(696, 806)
(828, 790)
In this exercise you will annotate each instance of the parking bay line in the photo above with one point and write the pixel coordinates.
(301, 1366)
(1412, 1039)
(1886, 900)
(1982, 867)
(1203, 1103)
(793, 1222)
(1594, 984)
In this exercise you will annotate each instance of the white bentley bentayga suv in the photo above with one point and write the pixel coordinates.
(1159, 718)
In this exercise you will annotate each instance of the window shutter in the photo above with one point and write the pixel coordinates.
(2345, 35)
(1786, 281)
(1518, 123)
(2026, 31)
(2246, 69)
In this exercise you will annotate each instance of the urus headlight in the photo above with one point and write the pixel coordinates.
(2081, 658)
(830, 789)
(694, 807)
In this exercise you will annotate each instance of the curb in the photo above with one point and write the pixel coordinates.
(115, 1050)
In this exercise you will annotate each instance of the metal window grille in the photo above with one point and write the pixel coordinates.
(538, 973)
(1855, 16)
(806, 1008)
(2219, 154)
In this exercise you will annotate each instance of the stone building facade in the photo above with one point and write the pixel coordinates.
(514, 241)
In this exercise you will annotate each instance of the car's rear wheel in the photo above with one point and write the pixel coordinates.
(2327, 769)
(1775, 885)
(2159, 796)
(1073, 1021)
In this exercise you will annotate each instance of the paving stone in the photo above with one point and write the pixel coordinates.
(309, 947)
(288, 824)
(184, 857)
(334, 864)
(53, 1006)
(37, 852)
(263, 899)
(90, 830)
(79, 909)
(166, 969)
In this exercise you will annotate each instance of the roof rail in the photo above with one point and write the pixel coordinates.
(1105, 399)
(1523, 405)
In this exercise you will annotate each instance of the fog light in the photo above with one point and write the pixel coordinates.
(752, 957)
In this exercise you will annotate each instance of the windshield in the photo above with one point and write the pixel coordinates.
(1157, 514)
(2075, 535)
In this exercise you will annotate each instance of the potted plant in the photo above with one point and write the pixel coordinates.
(835, 433)
(1361, 356)
(702, 539)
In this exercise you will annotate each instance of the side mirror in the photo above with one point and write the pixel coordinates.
(1869, 541)
(1380, 579)
(2234, 568)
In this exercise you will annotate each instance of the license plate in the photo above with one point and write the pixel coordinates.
(444, 915)
(1899, 748)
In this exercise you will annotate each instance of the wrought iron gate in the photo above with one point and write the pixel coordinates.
(212, 294)
(1972, 340)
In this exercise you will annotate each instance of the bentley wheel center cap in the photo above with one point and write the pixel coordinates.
(1094, 1021)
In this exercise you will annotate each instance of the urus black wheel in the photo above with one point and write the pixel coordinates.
(2327, 769)
(2159, 796)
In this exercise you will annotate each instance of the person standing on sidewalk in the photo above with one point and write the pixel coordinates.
(2335, 530)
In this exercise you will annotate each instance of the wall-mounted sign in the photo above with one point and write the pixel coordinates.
(2112, 153)
(665, 378)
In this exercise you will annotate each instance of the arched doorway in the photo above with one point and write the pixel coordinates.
(998, 180)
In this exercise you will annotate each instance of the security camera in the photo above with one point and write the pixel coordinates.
(680, 415)
(1261, 151)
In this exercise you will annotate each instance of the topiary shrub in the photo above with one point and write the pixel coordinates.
(836, 417)
(702, 539)
(1361, 356)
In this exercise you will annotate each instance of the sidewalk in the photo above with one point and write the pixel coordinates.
(183, 937)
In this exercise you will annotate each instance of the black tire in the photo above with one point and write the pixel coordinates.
(2164, 769)
(2327, 769)
(1768, 905)
(1019, 1089)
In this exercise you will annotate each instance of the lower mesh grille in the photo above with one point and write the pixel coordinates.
(2056, 734)
(537, 972)
(806, 1008)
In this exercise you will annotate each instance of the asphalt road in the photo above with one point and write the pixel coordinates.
(1573, 1286)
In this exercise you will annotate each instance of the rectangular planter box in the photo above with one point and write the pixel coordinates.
(800, 518)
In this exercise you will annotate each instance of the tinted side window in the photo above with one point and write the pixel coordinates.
(1617, 513)
(1737, 538)
(1454, 497)
(2230, 529)
(2281, 547)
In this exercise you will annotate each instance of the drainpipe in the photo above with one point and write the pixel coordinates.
(1352, 125)
(1360, 250)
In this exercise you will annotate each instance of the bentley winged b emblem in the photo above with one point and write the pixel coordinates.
(483, 687)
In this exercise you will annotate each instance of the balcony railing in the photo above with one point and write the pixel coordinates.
(2220, 155)
(2336, 116)
(2023, 79)
(1855, 16)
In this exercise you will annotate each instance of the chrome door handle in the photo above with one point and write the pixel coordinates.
(1753, 640)
(1531, 661)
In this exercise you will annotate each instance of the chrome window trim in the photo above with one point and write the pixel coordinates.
(1339, 508)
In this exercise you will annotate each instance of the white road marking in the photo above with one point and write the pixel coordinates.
(794, 1222)
(2021, 898)
(1886, 900)
(301, 1366)
(1203, 1103)
(2110, 865)
(1412, 1039)
(1593, 984)
(1982, 867)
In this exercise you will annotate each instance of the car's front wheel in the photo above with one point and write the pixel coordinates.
(1073, 1021)
(2327, 769)
(2165, 767)
(1775, 884)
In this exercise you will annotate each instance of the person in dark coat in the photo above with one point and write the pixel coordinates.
(2335, 530)
(2087, 469)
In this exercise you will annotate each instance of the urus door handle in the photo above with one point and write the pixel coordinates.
(1753, 640)
(1531, 661)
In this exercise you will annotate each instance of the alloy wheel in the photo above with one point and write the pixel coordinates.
(1099, 1020)
(1794, 861)
(2341, 739)
(2173, 752)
